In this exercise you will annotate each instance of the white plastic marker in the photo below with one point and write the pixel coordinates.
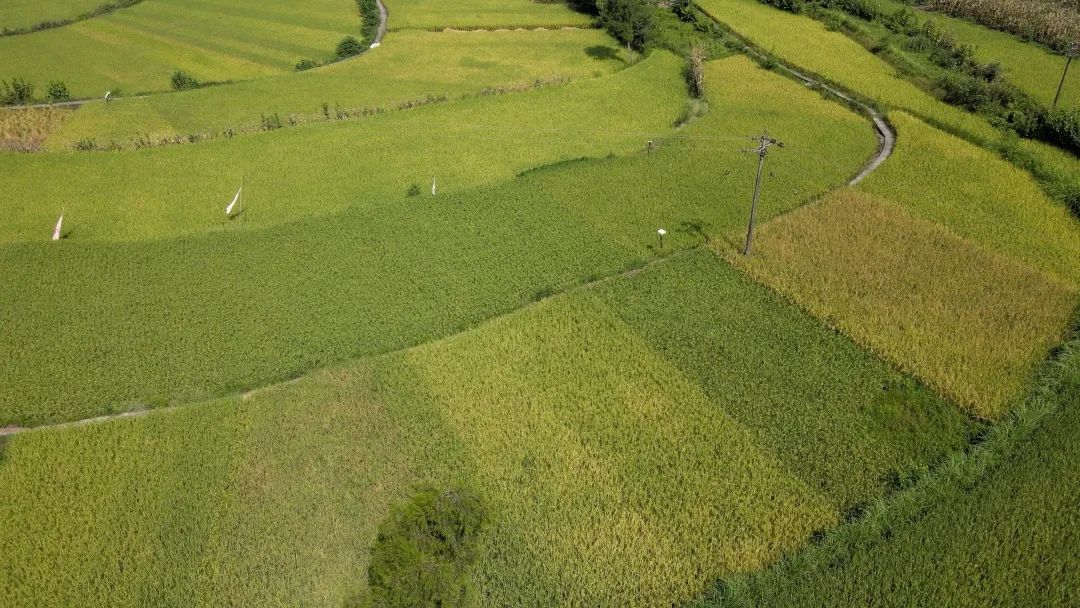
(236, 199)
(59, 226)
(661, 232)
(433, 186)
(376, 45)
(107, 94)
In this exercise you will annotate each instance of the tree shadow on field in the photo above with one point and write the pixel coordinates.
(696, 227)
(601, 53)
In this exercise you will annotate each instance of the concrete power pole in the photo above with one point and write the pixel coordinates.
(1074, 50)
(764, 142)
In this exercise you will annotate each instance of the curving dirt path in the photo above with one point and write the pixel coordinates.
(886, 136)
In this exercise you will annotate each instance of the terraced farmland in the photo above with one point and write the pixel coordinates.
(479, 328)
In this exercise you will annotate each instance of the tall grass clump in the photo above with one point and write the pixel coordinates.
(423, 552)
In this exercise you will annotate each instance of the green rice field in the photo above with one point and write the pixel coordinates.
(470, 320)
(1033, 68)
(137, 49)
(19, 14)
(484, 14)
(459, 248)
(572, 468)
(411, 66)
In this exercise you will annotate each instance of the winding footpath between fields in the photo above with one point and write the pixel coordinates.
(886, 139)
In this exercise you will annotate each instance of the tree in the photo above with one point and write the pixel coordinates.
(631, 21)
(182, 81)
(349, 47)
(58, 91)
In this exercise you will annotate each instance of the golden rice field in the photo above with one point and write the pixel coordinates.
(971, 323)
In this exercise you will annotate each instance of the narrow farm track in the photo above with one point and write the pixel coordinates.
(886, 136)
(9, 431)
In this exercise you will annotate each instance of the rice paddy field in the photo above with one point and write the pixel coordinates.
(569, 465)
(485, 14)
(21, 14)
(137, 49)
(481, 332)
(412, 67)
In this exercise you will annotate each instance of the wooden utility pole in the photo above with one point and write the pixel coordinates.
(764, 142)
(1074, 50)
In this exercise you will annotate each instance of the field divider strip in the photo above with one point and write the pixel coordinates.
(8, 431)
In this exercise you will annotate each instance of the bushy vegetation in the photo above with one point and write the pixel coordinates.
(1052, 22)
(182, 81)
(971, 324)
(348, 47)
(220, 41)
(418, 65)
(632, 22)
(415, 272)
(423, 552)
(16, 92)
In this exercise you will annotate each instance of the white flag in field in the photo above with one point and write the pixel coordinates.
(433, 186)
(59, 226)
(236, 199)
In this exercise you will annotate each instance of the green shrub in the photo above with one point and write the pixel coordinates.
(424, 549)
(58, 91)
(632, 22)
(17, 92)
(306, 64)
(349, 47)
(182, 81)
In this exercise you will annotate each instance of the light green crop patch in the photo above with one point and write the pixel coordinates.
(978, 196)
(322, 168)
(806, 43)
(264, 501)
(138, 48)
(485, 14)
(615, 481)
(410, 66)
